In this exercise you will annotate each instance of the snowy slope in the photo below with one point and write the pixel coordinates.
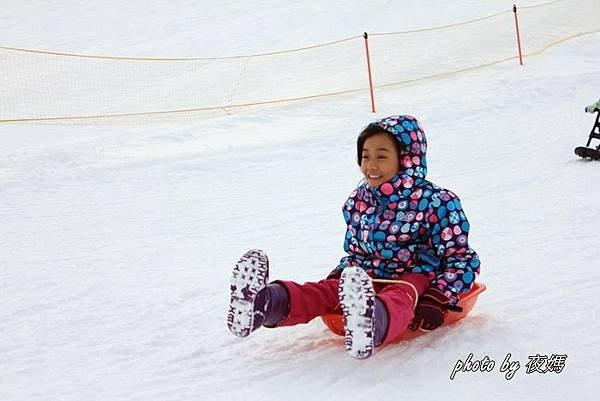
(117, 241)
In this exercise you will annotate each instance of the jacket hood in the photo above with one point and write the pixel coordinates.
(408, 131)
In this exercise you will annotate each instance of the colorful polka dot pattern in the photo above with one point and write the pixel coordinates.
(409, 224)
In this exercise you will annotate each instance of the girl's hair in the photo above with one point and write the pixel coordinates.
(372, 130)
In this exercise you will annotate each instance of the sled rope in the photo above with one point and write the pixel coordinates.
(415, 299)
(387, 281)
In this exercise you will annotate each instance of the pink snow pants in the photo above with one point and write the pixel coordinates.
(310, 300)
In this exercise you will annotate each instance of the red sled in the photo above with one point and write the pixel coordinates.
(335, 322)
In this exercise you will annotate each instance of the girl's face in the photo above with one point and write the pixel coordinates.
(379, 160)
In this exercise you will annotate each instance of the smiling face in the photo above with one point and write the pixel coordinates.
(379, 159)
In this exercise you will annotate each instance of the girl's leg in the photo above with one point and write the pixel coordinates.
(307, 301)
(399, 300)
(255, 302)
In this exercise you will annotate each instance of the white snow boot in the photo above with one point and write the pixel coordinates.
(357, 299)
(248, 303)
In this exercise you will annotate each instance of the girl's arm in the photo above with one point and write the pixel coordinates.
(355, 255)
(449, 233)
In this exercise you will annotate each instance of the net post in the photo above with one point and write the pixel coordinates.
(366, 36)
(518, 35)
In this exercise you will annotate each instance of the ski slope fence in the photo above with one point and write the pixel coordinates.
(46, 86)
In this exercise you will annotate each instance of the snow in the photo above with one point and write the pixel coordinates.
(117, 240)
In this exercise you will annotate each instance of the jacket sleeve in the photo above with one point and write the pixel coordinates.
(355, 254)
(457, 263)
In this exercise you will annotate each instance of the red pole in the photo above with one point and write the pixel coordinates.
(366, 36)
(518, 36)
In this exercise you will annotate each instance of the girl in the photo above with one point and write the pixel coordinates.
(400, 227)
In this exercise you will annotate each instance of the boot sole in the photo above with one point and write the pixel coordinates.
(250, 275)
(357, 299)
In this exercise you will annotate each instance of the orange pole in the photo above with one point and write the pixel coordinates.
(518, 35)
(366, 36)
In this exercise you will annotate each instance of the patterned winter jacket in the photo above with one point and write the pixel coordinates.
(409, 224)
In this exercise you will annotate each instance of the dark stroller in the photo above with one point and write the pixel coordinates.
(587, 151)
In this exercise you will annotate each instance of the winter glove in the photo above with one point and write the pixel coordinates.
(431, 310)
